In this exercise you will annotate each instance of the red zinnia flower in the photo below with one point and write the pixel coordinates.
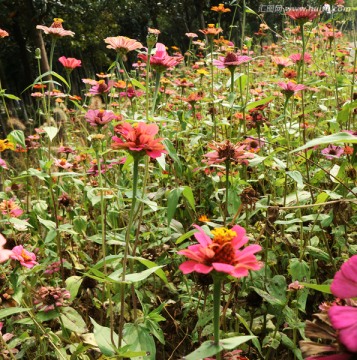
(69, 63)
(302, 15)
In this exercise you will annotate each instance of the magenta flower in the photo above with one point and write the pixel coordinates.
(100, 117)
(344, 319)
(10, 208)
(290, 88)
(139, 139)
(344, 284)
(332, 152)
(4, 253)
(221, 253)
(161, 61)
(101, 87)
(26, 258)
(302, 15)
(231, 61)
(70, 63)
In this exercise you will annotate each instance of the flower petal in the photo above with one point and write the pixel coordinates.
(344, 284)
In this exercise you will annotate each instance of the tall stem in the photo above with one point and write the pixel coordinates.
(157, 85)
(127, 246)
(227, 190)
(217, 284)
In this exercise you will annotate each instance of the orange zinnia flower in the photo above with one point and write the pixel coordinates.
(220, 8)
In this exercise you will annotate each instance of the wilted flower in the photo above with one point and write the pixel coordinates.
(56, 29)
(139, 139)
(26, 258)
(221, 253)
(227, 151)
(100, 117)
(53, 268)
(49, 298)
(69, 63)
(332, 152)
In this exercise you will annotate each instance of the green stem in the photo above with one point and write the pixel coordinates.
(127, 246)
(147, 85)
(227, 190)
(217, 284)
(157, 86)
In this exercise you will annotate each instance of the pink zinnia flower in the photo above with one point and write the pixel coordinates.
(100, 117)
(161, 61)
(297, 58)
(191, 35)
(281, 61)
(344, 319)
(63, 163)
(231, 61)
(221, 253)
(344, 284)
(56, 29)
(100, 87)
(3, 164)
(70, 63)
(332, 152)
(3, 33)
(4, 253)
(26, 258)
(227, 151)
(139, 139)
(9, 207)
(122, 44)
(290, 88)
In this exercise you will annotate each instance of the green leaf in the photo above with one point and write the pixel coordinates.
(17, 137)
(172, 153)
(318, 253)
(322, 288)
(296, 175)
(208, 348)
(102, 336)
(51, 131)
(185, 236)
(72, 320)
(299, 269)
(12, 97)
(269, 298)
(250, 11)
(50, 225)
(233, 342)
(52, 73)
(341, 137)
(138, 84)
(277, 287)
(73, 284)
(172, 202)
(11, 311)
(150, 264)
(136, 277)
(139, 339)
(188, 194)
(254, 104)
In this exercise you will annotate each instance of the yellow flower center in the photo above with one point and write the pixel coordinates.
(223, 235)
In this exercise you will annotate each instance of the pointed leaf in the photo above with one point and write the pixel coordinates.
(51, 131)
(102, 336)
